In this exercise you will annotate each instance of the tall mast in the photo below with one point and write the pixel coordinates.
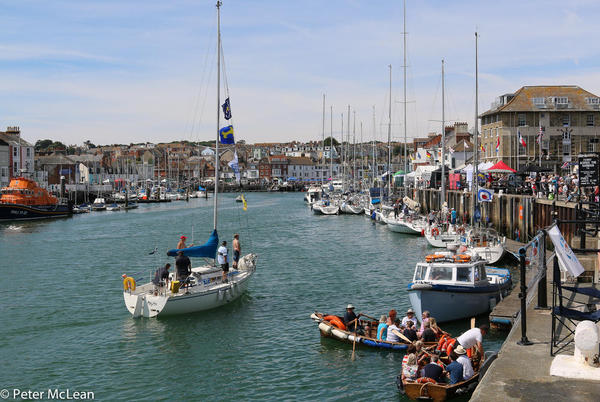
(362, 157)
(218, 112)
(331, 142)
(389, 166)
(323, 144)
(475, 136)
(374, 170)
(354, 151)
(347, 144)
(443, 199)
(405, 141)
(343, 155)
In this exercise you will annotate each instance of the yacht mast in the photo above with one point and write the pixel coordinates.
(443, 199)
(331, 142)
(404, 68)
(389, 166)
(475, 137)
(323, 146)
(374, 169)
(354, 152)
(218, 112)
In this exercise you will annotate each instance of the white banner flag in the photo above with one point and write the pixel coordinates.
(235, 166)
(566, 257)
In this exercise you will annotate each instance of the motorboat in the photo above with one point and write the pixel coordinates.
(452, 287)
(325, 207)
(24, 199)
(409, 224)
(99, 204)
(313, 194)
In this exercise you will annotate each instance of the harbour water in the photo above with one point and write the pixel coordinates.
(64, 324)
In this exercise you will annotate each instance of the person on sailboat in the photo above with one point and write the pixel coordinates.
(237, 249)
(222, 259)
(181, 245)
(183, 266)
(161, 276)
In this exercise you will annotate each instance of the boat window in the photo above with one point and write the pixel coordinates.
(482, 275)
(441, 273)
(464, 274)
(420, 273)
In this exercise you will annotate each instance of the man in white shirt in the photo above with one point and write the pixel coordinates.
(465, 361)
(222, 259)
(473, 337)
(410, 316)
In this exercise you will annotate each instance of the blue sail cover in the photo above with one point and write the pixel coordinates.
(207, 250)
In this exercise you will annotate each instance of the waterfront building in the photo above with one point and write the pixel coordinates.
(567, 116)
(279, 167)
(21, 152)
(4, 163)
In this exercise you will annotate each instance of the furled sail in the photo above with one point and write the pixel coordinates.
(207, 250)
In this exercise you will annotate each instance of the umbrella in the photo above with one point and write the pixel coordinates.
(399, 173)
(500, 167)
(292, 179)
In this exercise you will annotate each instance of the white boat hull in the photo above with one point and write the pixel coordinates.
(450, 306)
(350, 209)
(330, 210)
(441, 240)
(201, 297)
(491, 254)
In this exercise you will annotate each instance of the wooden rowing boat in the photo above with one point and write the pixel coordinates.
(436, 392)
(369, 338)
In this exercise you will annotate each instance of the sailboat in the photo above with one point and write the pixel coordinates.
(205, 288)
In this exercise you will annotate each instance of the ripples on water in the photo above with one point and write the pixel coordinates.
(64, 323)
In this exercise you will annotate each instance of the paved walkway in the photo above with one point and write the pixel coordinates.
(522, 373)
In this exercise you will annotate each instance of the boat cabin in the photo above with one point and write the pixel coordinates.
(450, 273)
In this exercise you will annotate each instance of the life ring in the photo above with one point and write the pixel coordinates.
(460, 230)
(129, 283)
(435, 232)
(336, 321)
(462, 258)
(426, 380)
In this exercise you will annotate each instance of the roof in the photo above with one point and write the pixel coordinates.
(463, 146)
(55, 159)
(14, 139)
(522, 100)
(301, 160)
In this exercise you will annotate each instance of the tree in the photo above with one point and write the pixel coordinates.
(328, 142)
(41, 145)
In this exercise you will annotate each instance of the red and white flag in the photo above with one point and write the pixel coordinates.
(521, 139)
(498, 144)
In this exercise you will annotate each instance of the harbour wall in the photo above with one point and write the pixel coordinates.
(510, 214)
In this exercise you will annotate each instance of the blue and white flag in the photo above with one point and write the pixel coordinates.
(226, 134)
(485, 195)
(226, 109)
(235, 166)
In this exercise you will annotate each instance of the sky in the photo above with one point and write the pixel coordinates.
(128, 71)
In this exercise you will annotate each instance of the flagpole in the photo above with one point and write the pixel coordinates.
(331, 142)
(475, 137)
(443, 199)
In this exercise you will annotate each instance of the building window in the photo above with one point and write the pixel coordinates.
(566, 120)
(566, 149)
(521, 120)
(28, 152)
(539, 101)
(593, 101)
(15, 168)
(593, 145)
(589, 120)
(561, 100)
(15, 151)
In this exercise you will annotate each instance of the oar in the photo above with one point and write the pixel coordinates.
(354, 340)
(401, 335)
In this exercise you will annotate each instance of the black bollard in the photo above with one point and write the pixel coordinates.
(523, 296)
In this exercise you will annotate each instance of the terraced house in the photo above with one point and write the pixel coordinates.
(567, 116)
